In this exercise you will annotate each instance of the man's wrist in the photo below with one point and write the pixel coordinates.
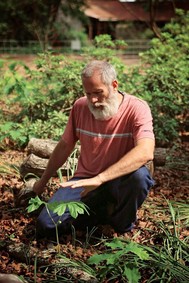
(102, 180)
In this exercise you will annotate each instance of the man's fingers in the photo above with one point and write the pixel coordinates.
(72, 184)
(67, 184)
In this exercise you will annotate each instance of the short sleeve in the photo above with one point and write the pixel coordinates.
(143, 121)
(69, 135)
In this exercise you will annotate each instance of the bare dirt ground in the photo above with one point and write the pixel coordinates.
(30, 59)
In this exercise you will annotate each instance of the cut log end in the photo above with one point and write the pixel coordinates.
(41, 147)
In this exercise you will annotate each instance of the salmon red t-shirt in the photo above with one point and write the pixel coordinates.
(104, 142)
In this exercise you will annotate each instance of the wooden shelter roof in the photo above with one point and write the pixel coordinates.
(114, 10)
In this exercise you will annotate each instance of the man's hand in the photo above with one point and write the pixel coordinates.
(88, 184)
(38, 187)
(25, 194)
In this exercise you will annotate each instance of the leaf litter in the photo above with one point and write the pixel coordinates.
(19, 249)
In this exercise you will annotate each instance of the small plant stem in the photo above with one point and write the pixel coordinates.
(73, 236)
(35, 269)
(56, 228)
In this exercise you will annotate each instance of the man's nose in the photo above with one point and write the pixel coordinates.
(94, 99)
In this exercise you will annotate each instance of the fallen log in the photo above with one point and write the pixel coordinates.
(33, 165)
(10, 278)
(39, 151)
(160, 156)
(70, 268)
(36, 165)
(44, 147)
(41, 147)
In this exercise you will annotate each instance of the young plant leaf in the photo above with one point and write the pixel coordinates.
(34, 204)
(58, 207)
(98, 258)
(137, 250)
(132, 274)
(74, 208)
(115, 244)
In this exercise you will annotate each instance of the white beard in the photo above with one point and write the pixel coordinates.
(105, 110)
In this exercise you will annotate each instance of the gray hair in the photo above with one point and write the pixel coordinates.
(106, 70)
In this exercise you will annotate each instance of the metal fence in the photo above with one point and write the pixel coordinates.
(30, 46)
(134, 47)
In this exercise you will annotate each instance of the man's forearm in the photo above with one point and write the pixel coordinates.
(56, 160)
(133, 160)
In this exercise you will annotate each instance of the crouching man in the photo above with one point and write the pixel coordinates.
(115, 132)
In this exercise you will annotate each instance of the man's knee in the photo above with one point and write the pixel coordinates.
(140, 184)
(141, 179)
(132, 191)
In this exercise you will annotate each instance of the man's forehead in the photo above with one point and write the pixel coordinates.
(95, 74)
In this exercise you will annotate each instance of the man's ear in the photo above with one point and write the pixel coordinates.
(115, 84)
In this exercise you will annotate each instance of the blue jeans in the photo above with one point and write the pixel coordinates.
(115, 202)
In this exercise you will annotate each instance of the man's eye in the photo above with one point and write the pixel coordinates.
(95, 93)
(98, 93)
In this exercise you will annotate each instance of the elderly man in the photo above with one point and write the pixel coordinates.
(116, 137)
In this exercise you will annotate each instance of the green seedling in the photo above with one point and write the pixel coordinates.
(75, 208)
(122, 260)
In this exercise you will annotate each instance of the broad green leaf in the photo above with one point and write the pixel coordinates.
(79, 210)
(97, 258)
(52, 205)
(136, 249)
(76, 208)
(128, 247)
(110, 258)
(58, 208)
(72, 210)
(83, 206)
(114, 258)
(34, 203)
(132, 275)
(115, 244)
(6, 127)
(15, 134)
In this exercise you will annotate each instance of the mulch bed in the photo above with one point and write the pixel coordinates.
(17, 227)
